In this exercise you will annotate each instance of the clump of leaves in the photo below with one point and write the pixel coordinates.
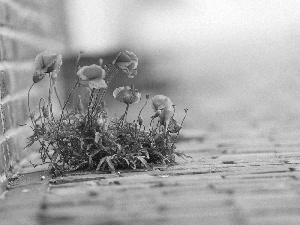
(91, 140)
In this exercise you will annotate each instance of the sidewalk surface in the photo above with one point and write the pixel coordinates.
(244, 177)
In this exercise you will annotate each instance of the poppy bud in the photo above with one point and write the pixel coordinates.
(45, 111)
(140, 121)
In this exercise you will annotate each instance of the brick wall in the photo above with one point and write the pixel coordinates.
(27, 27)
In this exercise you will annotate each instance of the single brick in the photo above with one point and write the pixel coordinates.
(4, 84)
(7, 48)
(2, 14)
(1, 49)
(24, 18)
(19, 112)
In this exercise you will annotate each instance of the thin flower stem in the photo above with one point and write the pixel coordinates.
(55, 90)
(96, 101)
(29, 98)
(77, 81)
(123, 117)
(50, 93)
(66, 102)
(126, 111)
(142, 108)
(41, 114)
(61, 116)
(109, 78)
(152, 119)
(89, 106)
(28, 103)
(137, 133)
(176, 137)
(184, 117)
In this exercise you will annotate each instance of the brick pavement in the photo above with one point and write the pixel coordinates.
(243, 177)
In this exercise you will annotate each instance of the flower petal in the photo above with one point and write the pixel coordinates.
(122, 57)
(164, 105)
(91, 72)
(48, 62)
(127, 95)
(97, 83)
(161, 102)
(132, 69)
(127, 62)
(54, 68)
(165, 116)
(123, 66)
(132, 56)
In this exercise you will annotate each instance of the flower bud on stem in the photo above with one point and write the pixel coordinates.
(147, 97)
(175, 140)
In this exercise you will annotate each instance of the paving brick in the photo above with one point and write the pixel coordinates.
(239, 187)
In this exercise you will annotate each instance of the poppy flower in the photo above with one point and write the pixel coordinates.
(163, 108)
(92, 76)
(127, 62)
(46, 63)
(127, 94)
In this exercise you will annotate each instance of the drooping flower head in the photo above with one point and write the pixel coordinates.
(127, 94)
(92, 76)
(163, 108)
(46, 63)
(127, 62)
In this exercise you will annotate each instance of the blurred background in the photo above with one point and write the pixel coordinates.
(229, 62)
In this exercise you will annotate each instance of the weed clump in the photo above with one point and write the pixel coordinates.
(91, 140)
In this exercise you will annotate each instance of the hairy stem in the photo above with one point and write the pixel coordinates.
(66, 102)
(125, 114)
(49, 98)
(176, 137)
(28, 104)
(89, 119)
(55, 90)
(143, 108)
(40, 108)
(29, 98)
